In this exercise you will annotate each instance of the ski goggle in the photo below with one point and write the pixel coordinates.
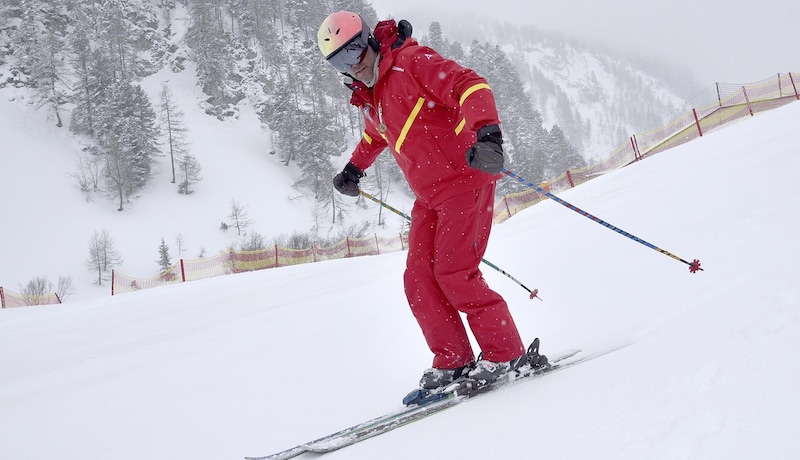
(350, 55)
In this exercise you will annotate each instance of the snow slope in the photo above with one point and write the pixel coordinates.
(39, 198)
(254, 363)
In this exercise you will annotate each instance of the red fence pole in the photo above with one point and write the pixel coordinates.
(636, 154)
(112, 282)
(749, 107)
(347, 240)
(569, 178)
(183, 272)
(2, 298)
(794, 86)
(697, 122)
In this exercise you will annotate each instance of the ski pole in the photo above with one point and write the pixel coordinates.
(694, 265)
(534, 294)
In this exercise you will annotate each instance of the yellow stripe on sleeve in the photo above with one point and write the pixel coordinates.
(471, 90)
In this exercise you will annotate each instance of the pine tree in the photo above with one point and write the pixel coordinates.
(95, 78)
(142, 135)
(560, 154)
(283, 116)
(164, 259)
(127, 134)
(436, 39)
(522, 125)
(211, 49)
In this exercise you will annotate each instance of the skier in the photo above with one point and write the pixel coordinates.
(440, 122)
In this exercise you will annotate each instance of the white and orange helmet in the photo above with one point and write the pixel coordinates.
(343, 39)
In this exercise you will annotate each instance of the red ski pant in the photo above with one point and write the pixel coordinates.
(446, 245)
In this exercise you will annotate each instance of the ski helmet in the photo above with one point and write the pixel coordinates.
(343, 39)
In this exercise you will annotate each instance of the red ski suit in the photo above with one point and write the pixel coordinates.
(427, 110)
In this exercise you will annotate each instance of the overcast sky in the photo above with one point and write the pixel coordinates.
(729, 41)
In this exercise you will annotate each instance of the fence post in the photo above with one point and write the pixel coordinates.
(749, 107)
(636, 154)
(697, 122)
(377, 247)
(2, 298)
(794, 86)
(276, 256)
(183, 272)
(112, 281)
(347, 241)
(569, 178)
(508, 209)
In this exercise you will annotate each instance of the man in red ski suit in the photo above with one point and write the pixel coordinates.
(440, 122)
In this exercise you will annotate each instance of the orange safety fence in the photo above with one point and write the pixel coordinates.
(233, 261)
(732, 102)
(11, 299)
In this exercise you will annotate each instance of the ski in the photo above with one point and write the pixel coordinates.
(364, 430)
(424, 403)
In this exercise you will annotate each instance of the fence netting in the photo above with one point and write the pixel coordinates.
(11, 299)
(235, 261)
(717, 106)
(722, 104)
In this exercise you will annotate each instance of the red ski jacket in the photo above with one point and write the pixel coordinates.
(427, 110)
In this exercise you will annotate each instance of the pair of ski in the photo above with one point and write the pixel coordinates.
(424, 403)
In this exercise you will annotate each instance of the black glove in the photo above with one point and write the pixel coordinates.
(487, 153)
(346, 182)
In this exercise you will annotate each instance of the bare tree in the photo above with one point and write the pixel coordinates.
(37, 291)
(180, 243)
(40, 290)
(175, 129)
(254, 242)
(190, 173)
(88, 175)
(103, 256)
(118, 174)
(239, 217)
(65, 287)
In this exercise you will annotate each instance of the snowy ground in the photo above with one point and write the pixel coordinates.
(254, 363)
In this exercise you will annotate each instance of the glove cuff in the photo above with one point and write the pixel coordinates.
(490, 133)
(353, 169)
